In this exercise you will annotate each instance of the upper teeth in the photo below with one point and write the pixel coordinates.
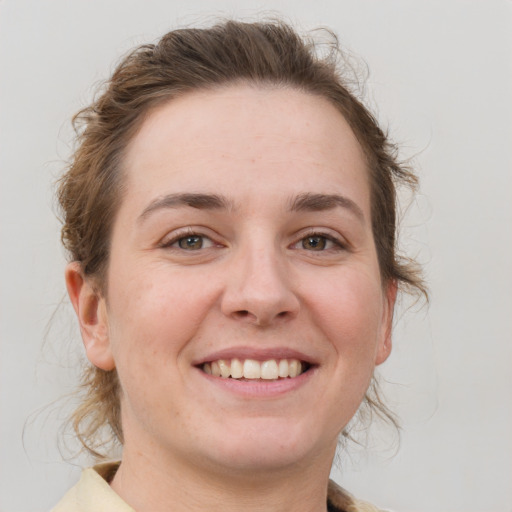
(252, 369)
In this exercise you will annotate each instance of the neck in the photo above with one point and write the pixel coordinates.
(155, 484)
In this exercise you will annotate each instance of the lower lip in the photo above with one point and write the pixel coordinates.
(260, 388)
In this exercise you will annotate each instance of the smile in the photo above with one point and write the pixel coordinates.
(250, 369)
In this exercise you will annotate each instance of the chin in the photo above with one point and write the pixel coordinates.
(269, 446)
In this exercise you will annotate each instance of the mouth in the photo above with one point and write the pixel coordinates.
(251, 369)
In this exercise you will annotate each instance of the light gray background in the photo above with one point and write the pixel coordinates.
(441, 75)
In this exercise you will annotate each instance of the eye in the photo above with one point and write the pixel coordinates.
(315, 243)
(319, 242)
(189, 242)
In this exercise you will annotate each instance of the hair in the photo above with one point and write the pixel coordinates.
(269, 54)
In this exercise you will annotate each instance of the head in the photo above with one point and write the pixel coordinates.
(260, 56)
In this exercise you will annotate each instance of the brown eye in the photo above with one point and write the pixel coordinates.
(191, 243)
(314, 243)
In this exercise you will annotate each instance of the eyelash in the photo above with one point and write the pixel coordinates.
(337, 244)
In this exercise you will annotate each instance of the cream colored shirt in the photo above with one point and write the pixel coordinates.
(93, 494)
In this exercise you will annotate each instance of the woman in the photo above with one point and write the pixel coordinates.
(230, 218)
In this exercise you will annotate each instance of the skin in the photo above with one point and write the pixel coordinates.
(256, 287)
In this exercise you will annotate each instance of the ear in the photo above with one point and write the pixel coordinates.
(384, 347)
(90, 308)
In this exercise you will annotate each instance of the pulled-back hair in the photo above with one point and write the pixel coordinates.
(186, 60)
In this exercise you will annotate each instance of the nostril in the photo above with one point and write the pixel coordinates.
(246, 315)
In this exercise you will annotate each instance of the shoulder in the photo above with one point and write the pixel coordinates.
(92, 493)
(339, 500)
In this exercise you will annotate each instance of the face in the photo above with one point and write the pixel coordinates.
(245, 311)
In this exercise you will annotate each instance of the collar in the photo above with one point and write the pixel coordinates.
(94, 494)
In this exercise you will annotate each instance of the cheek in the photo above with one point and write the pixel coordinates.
(155, 314)
(349, 311)
(152, 318)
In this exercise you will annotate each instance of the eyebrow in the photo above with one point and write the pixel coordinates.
(199, 201)
(302, 202)
(320, 202)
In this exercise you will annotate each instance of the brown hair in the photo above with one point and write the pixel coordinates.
(185, 60)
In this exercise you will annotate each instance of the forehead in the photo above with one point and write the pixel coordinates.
(246, 138)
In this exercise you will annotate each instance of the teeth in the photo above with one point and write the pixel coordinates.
(225, 368)
(215, 369)
(294, 368)
(271, 369)
(283, 368)
(252, 369)
(237, 369)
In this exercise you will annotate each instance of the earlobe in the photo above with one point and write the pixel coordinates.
(90, 308)
(385, 344)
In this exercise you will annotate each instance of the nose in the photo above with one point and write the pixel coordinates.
(259, 290)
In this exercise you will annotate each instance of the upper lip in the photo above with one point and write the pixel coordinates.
(258, 354)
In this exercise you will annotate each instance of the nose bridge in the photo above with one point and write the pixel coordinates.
(259, 289)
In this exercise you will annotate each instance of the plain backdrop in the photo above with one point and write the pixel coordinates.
(440, 79)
